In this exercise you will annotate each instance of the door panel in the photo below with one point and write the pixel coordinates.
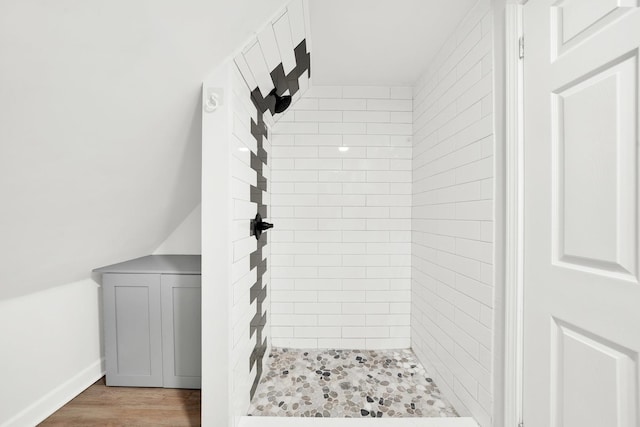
(572, 21)
(133, 340)
(181, 330)
(582, 297)
(594, 171)
(593, 379)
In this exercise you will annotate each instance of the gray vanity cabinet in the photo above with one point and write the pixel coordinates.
(152, 322)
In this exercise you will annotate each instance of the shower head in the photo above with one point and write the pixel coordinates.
(282, 102)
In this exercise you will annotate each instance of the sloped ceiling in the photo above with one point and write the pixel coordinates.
(100, 126)
(379, 42)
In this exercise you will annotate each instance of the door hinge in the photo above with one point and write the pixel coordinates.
(521, 53)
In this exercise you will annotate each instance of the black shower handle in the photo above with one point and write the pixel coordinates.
(258, 226)
(264, 225)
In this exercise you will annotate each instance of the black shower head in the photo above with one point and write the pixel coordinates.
(282, 102)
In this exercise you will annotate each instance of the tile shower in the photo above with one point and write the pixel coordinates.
(382, 200)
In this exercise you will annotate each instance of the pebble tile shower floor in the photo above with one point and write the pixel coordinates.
(347, 383)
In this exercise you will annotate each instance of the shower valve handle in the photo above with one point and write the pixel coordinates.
(259, 226)
(264, 225)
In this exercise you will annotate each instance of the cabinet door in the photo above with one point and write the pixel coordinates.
(133, 340)
(181, 330)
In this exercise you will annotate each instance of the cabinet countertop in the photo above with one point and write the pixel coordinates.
(150, 264)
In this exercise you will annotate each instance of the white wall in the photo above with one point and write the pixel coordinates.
(186, 239)
(51, 350)
(453, 202)
(216, 255)
(341, 243)
(100, 126)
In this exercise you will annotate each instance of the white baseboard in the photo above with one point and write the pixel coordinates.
(58, 397)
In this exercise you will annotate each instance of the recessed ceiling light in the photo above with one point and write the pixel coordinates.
(343, 149)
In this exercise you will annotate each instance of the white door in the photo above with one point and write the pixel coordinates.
(582, 295)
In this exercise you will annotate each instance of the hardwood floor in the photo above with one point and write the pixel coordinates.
(100, 405)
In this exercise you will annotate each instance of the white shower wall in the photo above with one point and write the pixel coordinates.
(341, 246)
(243, 276)
(453, 169)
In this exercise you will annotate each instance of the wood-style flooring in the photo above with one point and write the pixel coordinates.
(100, 405)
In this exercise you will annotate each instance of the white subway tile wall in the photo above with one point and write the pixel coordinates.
(243, 244)
(273, 45)
(243, 277)
(452, 221)
(341, 205)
